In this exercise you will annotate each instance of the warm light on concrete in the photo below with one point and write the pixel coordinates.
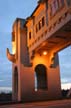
(13, 48)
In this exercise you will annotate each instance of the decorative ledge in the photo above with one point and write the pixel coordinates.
(10, 57)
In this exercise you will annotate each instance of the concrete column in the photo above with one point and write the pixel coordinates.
(54, 84)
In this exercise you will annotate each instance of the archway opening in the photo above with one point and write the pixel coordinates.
(65, 68)
(40, 77)
(16, 82)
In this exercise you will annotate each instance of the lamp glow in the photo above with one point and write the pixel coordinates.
(45, 53)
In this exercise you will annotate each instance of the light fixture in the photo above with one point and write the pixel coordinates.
(45, 53)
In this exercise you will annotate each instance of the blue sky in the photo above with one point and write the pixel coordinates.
(9, 11)
(65, 65)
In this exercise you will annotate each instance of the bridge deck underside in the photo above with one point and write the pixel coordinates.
(58, 41)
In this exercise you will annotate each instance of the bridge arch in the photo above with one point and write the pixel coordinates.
(41, 76)
(16, 82)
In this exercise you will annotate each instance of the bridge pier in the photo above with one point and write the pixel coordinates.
(47, 81)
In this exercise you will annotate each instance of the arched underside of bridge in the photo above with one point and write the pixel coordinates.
(58, 41)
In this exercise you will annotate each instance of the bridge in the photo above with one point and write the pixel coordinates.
(36, 42)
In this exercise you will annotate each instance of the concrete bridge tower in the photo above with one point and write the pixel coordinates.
(36, 42)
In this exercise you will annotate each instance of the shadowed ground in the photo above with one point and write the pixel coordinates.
(48, 104)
